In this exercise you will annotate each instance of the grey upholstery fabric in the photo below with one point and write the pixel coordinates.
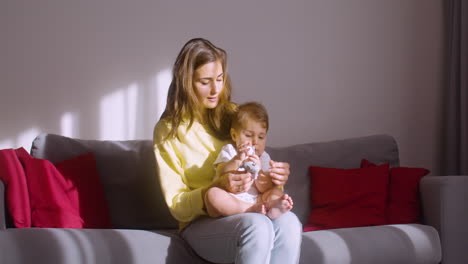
(128, 174)
(93, 246)
(410, 243)
(2, 207)
(365, 245)
(128, 171)
(445, 207)
(336, 154)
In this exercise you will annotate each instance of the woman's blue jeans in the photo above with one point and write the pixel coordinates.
(246, 238)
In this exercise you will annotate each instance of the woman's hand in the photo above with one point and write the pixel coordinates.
(233, 182)
(279, 172)
(236, 181)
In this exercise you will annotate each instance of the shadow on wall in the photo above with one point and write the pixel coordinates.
(88, 70)
(125, 114)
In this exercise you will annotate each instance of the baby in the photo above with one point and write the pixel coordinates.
(248, 133)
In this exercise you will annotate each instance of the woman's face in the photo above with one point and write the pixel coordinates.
(208, 83)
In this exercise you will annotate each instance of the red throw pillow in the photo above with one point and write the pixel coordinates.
(16, 188)
(403, 199)
(66, 195)
(81, 174)
(49, 194)
(347, 197)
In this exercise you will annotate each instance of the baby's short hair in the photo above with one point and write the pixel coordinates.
(251, 110)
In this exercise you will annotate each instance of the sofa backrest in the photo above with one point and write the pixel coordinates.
(345, 154)
(129, 176)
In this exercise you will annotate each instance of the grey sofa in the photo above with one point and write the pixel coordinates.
(145, 232)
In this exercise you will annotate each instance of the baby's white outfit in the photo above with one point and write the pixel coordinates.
(226, 154)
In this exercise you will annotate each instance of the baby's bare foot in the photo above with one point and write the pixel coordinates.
(279, 206)
(257, 208)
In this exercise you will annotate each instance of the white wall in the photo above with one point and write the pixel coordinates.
(325, 69)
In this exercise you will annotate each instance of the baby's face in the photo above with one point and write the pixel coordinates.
(251, 132)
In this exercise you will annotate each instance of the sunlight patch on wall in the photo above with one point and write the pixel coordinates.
(159, 92)
(131, 111)
(118, 114)
(26, 138)
(68, 124)
(112, 116)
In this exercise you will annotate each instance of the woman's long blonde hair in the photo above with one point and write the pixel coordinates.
(182, 101)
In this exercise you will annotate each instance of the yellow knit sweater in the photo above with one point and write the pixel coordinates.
(185, 166)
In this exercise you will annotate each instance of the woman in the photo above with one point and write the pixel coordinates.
(187, 139)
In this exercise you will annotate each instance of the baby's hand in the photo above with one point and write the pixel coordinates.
(243, 150)
(255, 159)
(252, 164)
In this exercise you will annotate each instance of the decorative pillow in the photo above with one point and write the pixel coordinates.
(81, 174)
(128, 174)
(17, 196)
(347, 197)
(67, 195)
(49, 194)
(403, 199)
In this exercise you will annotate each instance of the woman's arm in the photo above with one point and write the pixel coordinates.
(184, 204)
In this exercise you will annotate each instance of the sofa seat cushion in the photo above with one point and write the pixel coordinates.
(103, 246)
(409, 243)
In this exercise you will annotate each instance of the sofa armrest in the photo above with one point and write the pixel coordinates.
(445, 207)
(2, 206)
